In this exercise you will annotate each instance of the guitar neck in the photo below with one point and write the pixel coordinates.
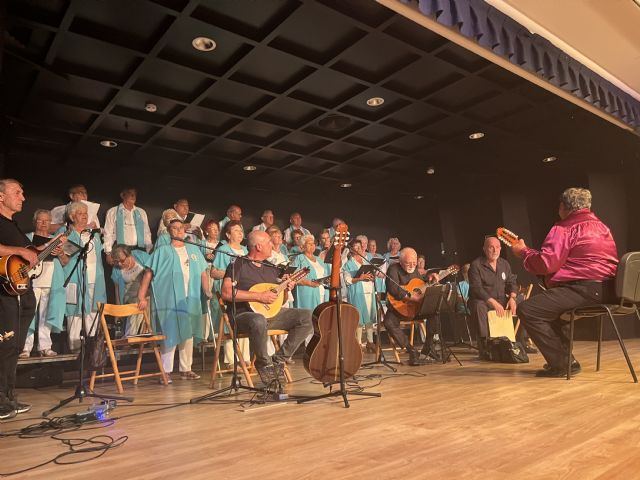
(51, 247)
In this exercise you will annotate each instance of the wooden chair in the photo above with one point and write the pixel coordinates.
(147, 337)
(247, 368)
(222, 337)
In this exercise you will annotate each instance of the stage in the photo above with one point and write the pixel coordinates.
(481, 420)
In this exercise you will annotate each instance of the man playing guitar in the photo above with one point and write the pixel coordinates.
(246, 272)
(400, 274)
(16, 312)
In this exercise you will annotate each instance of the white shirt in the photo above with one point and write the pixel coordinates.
(288, 232)
(130, 233)
(184, 264)
(262, 227)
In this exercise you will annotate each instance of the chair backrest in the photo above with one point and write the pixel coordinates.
(126, 310)
(628, 277)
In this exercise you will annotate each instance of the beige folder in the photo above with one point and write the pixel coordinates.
(501, 326)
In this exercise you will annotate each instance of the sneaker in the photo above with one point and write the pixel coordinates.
(48, 353)
(24, 354)
(7, 411)
(168, 380)
(21, 407)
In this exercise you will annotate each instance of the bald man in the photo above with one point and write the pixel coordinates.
(492, 286)
(401, 273)
(297, 322)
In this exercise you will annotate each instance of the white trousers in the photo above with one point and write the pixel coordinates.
(44, 331)
(74, 325)
(243, 345)
(185, 355)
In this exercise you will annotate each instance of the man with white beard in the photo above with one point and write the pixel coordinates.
(400, 274)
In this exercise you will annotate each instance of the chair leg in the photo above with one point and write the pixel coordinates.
(624, 349)
(216, 356)
(570, 355)
(163, 374)
(599, 343)
(92, 381)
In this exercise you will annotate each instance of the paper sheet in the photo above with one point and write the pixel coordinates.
(501, 326)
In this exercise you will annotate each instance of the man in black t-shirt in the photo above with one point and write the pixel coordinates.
(15, 312)
(401, 273)
(246, 273)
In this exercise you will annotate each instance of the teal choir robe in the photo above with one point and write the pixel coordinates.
(163, 239)
(356, 295)
(213, 304)
(222, 261)
(178, 313)
(57, 298)
(309, 297)
(381, 286)
(99, 292)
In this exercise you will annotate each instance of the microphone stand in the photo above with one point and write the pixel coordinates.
(81, 390)
(236, 384)
(380, 358)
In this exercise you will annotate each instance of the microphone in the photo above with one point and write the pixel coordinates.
(295, 254)
(92, 231)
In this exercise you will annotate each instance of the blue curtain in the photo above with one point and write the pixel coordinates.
(499, 33)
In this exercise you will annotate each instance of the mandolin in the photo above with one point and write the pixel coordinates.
(419, 286)
(322, 356)
(272, 309)
(15, 270)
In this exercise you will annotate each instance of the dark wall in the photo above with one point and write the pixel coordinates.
(416, 223)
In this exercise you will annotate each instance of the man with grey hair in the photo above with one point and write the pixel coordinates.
(400, 274)
(267, 221)
(579, 260)
(127, 224)
(246, 272)
(59, 215)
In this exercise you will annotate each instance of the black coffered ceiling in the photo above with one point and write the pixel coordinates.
(284, 90)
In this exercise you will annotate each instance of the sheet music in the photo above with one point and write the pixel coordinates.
(92, 209)
(196, 220)
(501, 326)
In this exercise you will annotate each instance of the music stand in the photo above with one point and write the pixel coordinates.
(430, 307)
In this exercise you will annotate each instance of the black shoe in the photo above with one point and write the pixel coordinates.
(415, 360)
(575, 367)
(530, 349)
(7, 411)
(552, 373)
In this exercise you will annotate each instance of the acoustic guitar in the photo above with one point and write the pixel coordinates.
(5, 336)
(322, 356)
(419, 286)
(272, 309)
(15, 270)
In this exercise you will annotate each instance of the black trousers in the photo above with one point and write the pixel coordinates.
(479, 315)
(392, 321)
(16, 314)
(540, 315)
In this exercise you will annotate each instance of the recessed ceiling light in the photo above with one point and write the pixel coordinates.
(476, 135)
(418, 197)
(431, 171)
(150, 107)
(203, 44)
(549, 159)
(345, 185)
(108, 143)
(249, 168)
(375, 101)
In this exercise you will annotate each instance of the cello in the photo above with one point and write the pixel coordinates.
(322, 356)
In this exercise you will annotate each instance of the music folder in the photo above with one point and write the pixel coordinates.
(378, 262)
(365, 269)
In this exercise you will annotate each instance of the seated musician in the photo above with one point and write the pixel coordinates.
(492, 286)
(401, 273)
(296, 321)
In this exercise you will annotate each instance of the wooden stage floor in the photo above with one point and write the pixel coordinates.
(481, 420)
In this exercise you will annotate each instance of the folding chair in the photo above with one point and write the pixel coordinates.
(146, 337)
